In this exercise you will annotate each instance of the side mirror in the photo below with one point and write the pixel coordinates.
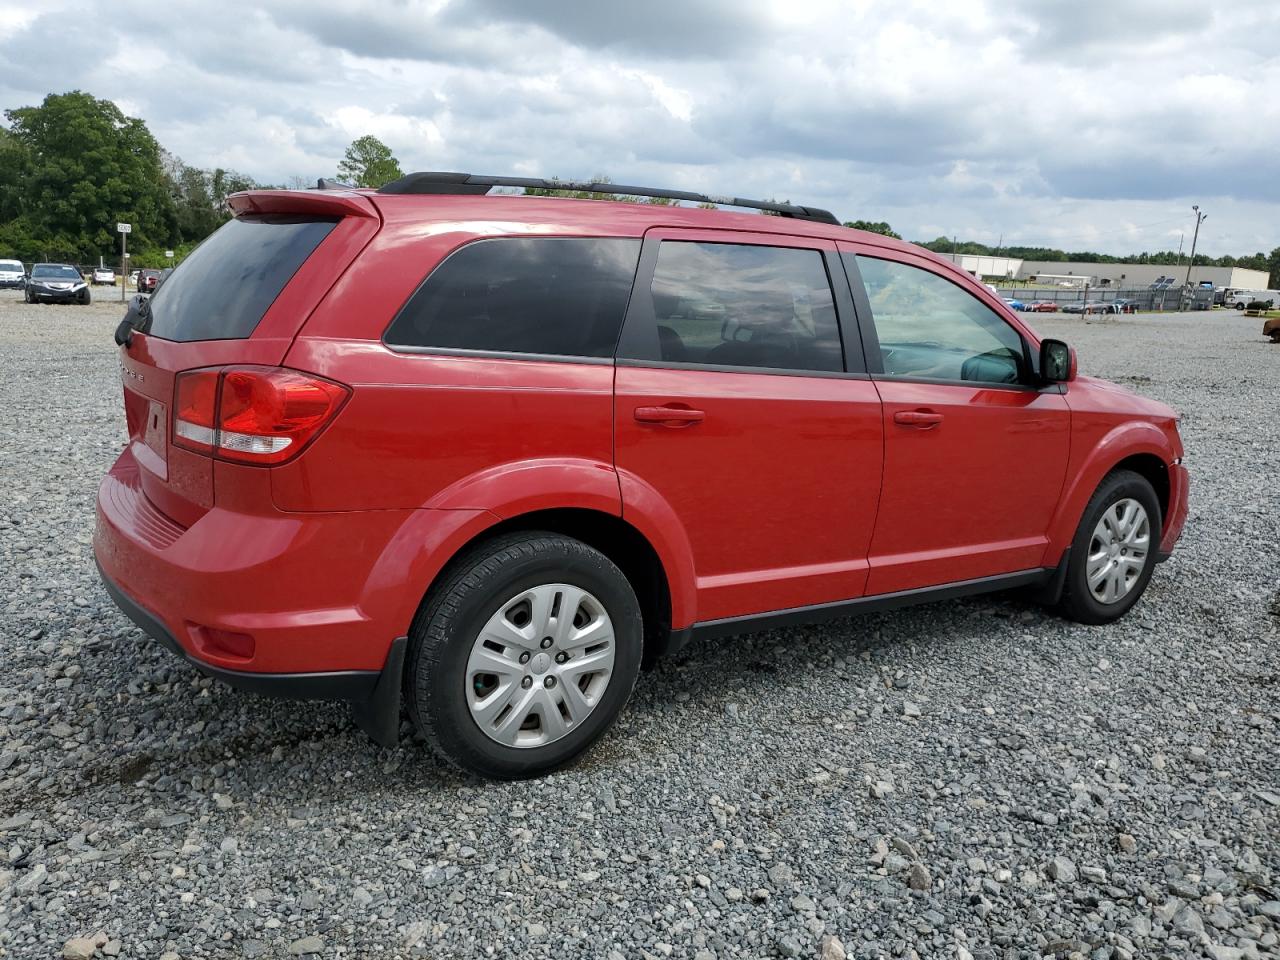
(1057, 362)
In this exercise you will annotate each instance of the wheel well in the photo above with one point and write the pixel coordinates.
(620, 542)
(1153, 469)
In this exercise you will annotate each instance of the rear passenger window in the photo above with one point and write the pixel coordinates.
(739, 305)
(540, 295)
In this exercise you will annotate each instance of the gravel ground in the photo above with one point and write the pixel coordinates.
(973, 779)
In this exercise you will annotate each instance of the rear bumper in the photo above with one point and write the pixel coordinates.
(304, 586)
(12, 284)
(356, 685)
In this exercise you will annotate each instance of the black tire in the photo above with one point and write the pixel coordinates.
(458, 607)
(1078, 602)
(85, 298)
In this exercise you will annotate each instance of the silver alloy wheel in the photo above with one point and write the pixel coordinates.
(1118, 550)
(540, 665)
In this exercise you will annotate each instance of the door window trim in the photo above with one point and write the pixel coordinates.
(638, 344)
(849, 254)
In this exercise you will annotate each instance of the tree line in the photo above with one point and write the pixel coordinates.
(75, 166)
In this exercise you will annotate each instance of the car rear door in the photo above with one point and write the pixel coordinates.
(239, 298)
(975, 450)
(740, 409)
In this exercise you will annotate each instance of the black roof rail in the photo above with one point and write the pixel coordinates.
(474, 185)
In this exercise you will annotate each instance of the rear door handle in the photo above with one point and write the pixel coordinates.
(924, 419)
(669, 416)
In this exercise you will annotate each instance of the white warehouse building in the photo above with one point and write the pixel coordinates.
(1133, 275)
(1144, 274)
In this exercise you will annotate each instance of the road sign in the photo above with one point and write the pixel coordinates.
(169, 254)
(124, 228)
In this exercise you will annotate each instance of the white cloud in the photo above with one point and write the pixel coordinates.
(1053, 121)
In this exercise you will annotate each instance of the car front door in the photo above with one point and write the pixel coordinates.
(740, 408)
(975, 450)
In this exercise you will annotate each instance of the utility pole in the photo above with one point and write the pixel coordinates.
(1200, 218)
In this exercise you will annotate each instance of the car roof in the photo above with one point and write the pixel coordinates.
(508, 214)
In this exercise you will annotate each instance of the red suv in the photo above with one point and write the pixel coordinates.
(486, 455)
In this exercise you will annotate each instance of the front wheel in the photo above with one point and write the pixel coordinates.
(84, 298)
(1114, 550)
(523, 656)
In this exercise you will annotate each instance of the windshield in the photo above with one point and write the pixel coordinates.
(55, 271)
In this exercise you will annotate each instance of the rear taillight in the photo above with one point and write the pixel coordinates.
(262, 415)
(195, 401)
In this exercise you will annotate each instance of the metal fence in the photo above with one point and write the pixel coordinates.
(1143, 298)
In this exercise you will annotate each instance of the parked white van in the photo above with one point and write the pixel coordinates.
(13, 275)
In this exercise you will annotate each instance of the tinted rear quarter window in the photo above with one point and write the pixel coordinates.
(227, 284)
(538, 295)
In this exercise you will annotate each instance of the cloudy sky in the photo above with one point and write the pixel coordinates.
(1074, 123)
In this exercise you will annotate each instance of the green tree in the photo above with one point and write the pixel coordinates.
(575, 194)
(369, 163)
(15, 165)
(879, 227)
(90, 166)
(1273, 265)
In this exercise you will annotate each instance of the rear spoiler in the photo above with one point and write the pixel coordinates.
(324, 203)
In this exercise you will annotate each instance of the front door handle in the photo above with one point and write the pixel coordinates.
(670, 416)
(924, 419)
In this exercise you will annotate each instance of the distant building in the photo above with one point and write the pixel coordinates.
(1076, 273)
(1001, 268)
(1140, 274)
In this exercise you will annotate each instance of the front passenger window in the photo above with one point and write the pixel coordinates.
(931, 328)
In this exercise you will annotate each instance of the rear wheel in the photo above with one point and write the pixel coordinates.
(523, 655)
(1114, 551)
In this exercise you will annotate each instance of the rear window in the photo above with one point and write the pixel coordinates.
(541, 295)
(223, 289)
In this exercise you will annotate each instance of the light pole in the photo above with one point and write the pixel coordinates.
(1200, 218)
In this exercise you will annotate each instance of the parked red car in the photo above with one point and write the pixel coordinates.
(485, 455)
(148, 280)
(1043, 306)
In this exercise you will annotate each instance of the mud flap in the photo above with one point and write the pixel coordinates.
(1051, 591)
(379, 716)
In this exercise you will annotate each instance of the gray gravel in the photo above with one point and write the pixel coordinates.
(975, 779)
